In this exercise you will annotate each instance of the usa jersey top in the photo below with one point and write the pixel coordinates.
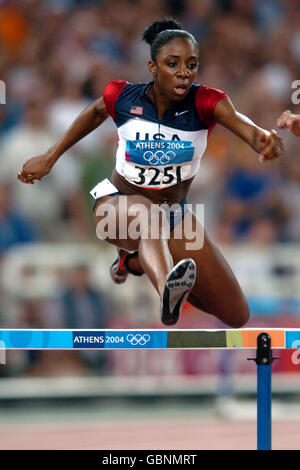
(153, 153)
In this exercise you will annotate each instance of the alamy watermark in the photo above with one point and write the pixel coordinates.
(154, 221)
(2, 352)
(295, 98)
(2, 92)
(296, 353)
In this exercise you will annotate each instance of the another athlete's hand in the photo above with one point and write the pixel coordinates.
(268, 145)
(36, 168)
(290, 121)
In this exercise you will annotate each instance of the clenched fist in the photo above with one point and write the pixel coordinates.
(268, 145)
(35, 168)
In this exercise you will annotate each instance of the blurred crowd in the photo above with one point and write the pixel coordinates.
(56, 57)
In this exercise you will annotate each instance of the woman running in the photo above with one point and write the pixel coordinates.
(163, 128)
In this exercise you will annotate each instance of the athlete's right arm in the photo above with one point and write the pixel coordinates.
(91, 117)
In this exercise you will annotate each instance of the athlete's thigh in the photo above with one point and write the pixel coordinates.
(115, 224)
(216, 288)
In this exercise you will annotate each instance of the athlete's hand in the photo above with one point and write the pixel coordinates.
(290, 121)
(35, 168)
(268, 145)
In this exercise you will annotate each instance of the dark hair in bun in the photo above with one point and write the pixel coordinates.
(157, 27)
(160, 33)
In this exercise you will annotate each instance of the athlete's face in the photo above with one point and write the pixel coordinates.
(175, 68)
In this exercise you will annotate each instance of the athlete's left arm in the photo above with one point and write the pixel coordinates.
(267, 143)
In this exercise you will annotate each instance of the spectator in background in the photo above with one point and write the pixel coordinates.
(291, 196)
(65, 108)
(14, 27)
(80, 45)
(32, 314)
(80, 306)
(249, 196)
(290, 190)
(15, 227)
(60, 193)
(250, 49)
(77, 306)
(198, 18)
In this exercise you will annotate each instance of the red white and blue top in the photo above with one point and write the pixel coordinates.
(157, 153)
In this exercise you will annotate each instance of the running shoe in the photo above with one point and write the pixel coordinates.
(180, 281)
(119, 269)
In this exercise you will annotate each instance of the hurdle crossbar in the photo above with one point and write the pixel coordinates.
(146, 339)
(263, 340)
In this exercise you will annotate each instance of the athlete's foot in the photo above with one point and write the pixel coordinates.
(180, 281)
(119, 270)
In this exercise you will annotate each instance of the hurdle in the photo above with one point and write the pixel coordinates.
(263, 340)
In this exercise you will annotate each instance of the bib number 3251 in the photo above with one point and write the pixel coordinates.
(169, 174)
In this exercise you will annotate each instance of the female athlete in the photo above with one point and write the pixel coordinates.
(163, 128)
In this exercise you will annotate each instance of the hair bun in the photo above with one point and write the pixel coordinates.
(157, 27)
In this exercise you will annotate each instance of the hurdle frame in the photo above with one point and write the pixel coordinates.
(263, 340)
(264, 359)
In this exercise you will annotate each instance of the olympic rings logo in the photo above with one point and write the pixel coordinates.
(138, 339)
(159, 157)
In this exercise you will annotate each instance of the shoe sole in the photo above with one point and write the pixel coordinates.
(179, 283)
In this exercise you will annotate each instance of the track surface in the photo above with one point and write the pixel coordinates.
(167, 433)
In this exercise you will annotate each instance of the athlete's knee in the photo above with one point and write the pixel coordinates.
(240, 317)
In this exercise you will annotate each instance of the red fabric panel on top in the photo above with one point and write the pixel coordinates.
(111, 93)
(205, 100)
